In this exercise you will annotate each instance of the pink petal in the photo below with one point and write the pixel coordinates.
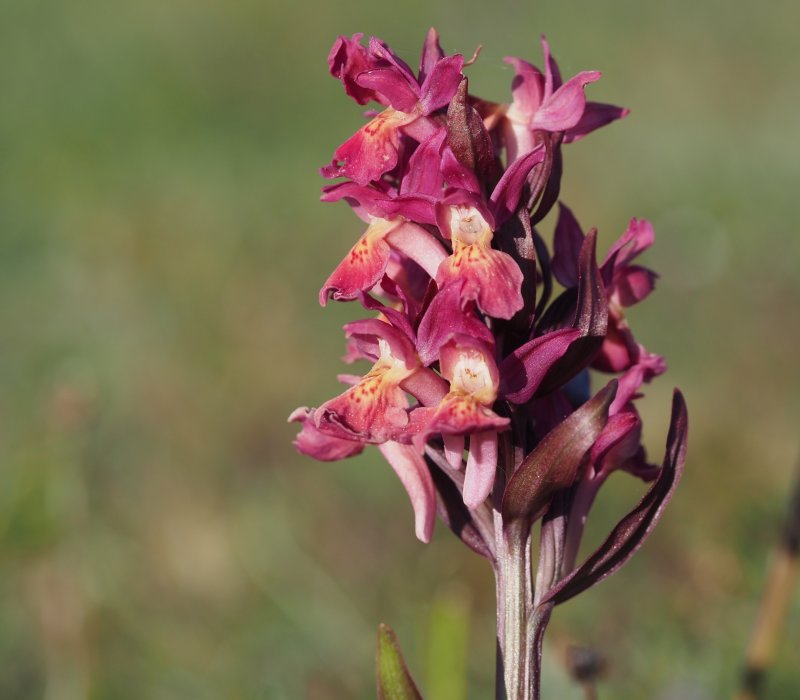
(638, 237)
(419, 245)
(371, 151)
(481, 467)
(394, 86)
(454, 450)
(426, 386)
(424, 173)
(633, 284)
(527, 87)
(361, 269)
(595, 115)
(444, 318)
(413, 473)
(347, 59)
(490, 277)
(523, 371)
(506, 194)
(565, 107)
(442, 83)
(431, 53)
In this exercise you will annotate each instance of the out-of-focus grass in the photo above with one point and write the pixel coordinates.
(160, 251)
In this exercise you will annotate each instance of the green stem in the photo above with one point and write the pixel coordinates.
(516, 655)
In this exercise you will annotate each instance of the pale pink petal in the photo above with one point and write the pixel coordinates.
(481, 468)
(527, 88)
(415, 242)
(413, 473)
(454, 450)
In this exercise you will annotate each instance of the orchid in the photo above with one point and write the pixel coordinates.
(479, 387)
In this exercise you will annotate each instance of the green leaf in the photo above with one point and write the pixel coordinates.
(394, 680)
(554, 464)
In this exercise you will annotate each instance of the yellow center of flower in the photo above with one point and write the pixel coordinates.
(472, 376)
(467, 227)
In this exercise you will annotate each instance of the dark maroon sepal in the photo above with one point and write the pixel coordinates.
(591, 319)
(453, 513)
(467, 136)
(555, 462)
(631, 532)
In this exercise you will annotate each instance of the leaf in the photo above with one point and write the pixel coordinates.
(631, 532)
(394, 680)
(554, 463)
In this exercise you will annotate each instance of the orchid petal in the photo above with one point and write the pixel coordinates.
(419, 245)
(564, 108)
(442, 83)
(361, 269)
(424, 174)
(595, 115)
(481, 468)
(527, 87)
(454, 450)
(633, 284)
(413, 473)
(505, 197)
(347, 59)
(392, 85)
(524, 369)
(371, 151)
(445, 318)
(432, 53)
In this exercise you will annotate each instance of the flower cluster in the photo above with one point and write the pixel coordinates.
(474, 360)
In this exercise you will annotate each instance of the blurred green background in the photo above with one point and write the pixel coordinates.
(161, 248)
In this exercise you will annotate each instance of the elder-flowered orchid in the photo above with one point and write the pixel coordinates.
(468, 352)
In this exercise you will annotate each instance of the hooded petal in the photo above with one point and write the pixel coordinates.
(445, 318)
(633, 284)
(527, 89)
